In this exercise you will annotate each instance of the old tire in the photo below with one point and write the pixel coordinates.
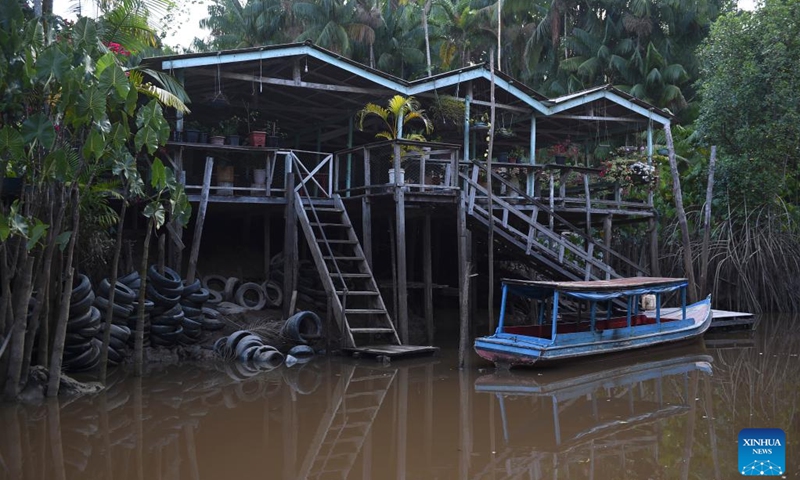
(261, 297)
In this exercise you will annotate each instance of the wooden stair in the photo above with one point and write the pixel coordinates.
(357, 304)
(575, 256)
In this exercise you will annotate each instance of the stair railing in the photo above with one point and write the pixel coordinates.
(301, 190)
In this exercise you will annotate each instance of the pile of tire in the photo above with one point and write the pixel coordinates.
(196, 317)
(134, 282)
(81, 348)
(122, 310)
(250, 295)
(167, 317)
(247, 347)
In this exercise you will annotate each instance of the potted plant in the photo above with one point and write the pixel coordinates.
(564, 151)
(480, 123)
(256, 128)
(216, 136)
(274, 134)
(230, 128)
(192, 131)
(516, 155)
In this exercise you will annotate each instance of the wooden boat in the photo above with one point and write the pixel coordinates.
(572, 332)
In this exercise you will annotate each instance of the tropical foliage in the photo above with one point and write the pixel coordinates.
(396, 116)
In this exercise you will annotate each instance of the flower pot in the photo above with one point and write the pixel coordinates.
(502, 157)
(224, 174)
(401, 180)
(233, 140)
(561, 160)
(217, 140)
(273, 141)
(260, 175)
(177, 136)
(512, 159)
(203, 137)
(192, 135)
(257, 138)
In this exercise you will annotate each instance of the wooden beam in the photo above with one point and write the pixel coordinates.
(201, 218)
(290, 257)
(598, 118)
(402, 282)
(267, 246)
(366, 214)
(463, 281)
(293, 83)
(427, 273)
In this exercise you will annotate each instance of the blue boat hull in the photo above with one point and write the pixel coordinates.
(508, 350)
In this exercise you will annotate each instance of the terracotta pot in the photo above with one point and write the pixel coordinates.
(257, 138)
(217, 140)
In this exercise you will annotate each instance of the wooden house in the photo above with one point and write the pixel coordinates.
(366, 227)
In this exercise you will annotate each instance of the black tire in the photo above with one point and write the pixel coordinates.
(162, 330)
(83, 360)
(215, 283)
(88, 319)
(170, 279)
(230, 288)
(123, 294)
(214, 298)
(221, 347)
(119, 310)
(81, 306)
(161, 300)
(192, 288)
(129, 278)
(303, 327)
(149, 305)
(167, 320)
(235, 338)
(246, 354)
(251, 287)
(168, 337)
(274, 293)
(89, 332)
(200, 296)
(246, 343)
(212, 325)
(114, 356)
(75, 339)
(191, 312)
(191, 325)
(117, 344)
(210, 313)
(82, 289)
(121, 333)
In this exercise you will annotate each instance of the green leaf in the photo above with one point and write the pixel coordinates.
(114, 77)
(52, 63)
(84, 33)
(36, 233)
(92, 103)
(38, 128)
(104, 62)
(5, 231)
(146, 137)
(119, 134)
(11, 143)
(58, 165)
(158, 175)
(62, 239)
(94, 146)
(156, 212)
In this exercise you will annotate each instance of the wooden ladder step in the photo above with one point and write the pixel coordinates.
(324, 209)
(363, 311)
(327, 224)
(345, 241)
(356, 258)
(363, 394)
(351, 275)
(369, 377)
(356, 293)
(371, 330)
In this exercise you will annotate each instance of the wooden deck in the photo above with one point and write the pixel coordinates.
(723, 319)
(392, 351)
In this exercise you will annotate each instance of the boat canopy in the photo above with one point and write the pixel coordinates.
(598, 290)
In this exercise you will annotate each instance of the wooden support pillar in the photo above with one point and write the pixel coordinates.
(267, 245)
(402, 423)
(175, 245)
(201, 218)
(400, 231)
(290, 252)
(427, 273)
(607, 241)
(463, 282)
(366, 213)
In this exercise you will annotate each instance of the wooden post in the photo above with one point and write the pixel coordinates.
(463, 282)
(684, 225)
(703, 286)
(402, 422)
(400, 231)
(175, 245)
(427, 273)
(290, 254)
(161, 253)
(267, 245)
(490, 198)
(607, 240)
(201, 218)
(366, 213)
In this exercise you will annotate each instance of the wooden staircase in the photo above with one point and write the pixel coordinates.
(558, 248)
(348, 421)
(357, 304)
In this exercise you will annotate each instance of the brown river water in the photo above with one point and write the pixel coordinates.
(660, 414)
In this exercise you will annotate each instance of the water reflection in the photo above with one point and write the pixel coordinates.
(644, 416)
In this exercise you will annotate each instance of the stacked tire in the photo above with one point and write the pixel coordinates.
(134, 282)
(81, 348)
(167, 317)
(122, 310)
(192, 300)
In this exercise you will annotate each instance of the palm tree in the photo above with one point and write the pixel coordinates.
(333, 24)
(399, 108)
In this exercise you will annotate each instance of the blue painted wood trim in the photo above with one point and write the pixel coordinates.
(502, 310)
(683, 303)
(555, 315)
(658, 309)
(593, 315)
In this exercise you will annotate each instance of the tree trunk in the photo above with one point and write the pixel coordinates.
(109, 313)
(425, 11)
(56, 357)
(138, 354)
(704, 287)
(20, 299)
(684, 226)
